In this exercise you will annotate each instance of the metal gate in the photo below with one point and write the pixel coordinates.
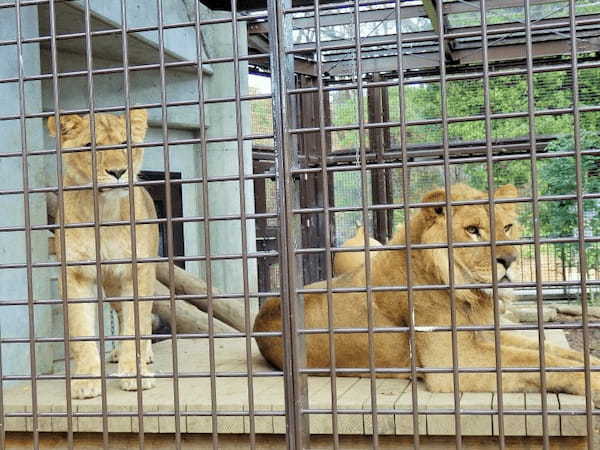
(377, 113)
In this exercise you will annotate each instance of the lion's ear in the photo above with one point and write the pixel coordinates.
(506, 191)
(435, 196)
(67, 124)
(139, 124)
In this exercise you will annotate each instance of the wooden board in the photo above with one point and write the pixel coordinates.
(353, 407)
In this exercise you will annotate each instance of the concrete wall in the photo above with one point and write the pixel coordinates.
(183, 123)
(14, 320)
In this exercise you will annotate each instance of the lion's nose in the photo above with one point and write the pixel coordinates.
(506, 260)
(117, 173)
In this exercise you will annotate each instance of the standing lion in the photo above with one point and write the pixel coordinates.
(116, 280)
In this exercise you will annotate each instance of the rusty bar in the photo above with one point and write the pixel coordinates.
(361, 159)
(27, 223)
(492, 212)
(448, 196)
(412, 342)
(536, 227)
(61, 223)
(206, 230)
(97, 220)
(581, 227)
(282, 68)
(323, 117)
(132, 230)
(169, 215)
(243, 223)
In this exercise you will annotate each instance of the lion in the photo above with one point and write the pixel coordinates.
(474, 306)
(349, 261)
(115, 242)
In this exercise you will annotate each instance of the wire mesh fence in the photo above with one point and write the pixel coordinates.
(299, 219)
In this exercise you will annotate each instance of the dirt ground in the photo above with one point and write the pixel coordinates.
(575, 337)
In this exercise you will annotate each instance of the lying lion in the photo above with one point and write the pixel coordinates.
(474, 306)
(115, 243)
(344, 262)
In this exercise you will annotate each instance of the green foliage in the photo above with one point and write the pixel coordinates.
(557, 176)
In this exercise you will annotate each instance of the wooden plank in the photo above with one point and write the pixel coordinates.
(166, 424)
(476, 425)
(321, 399)
(533, 400)
(572, 425)
(514, 425)
(404, 422)
(60, 424)
(353, 398)
(119, 424)
(150, 423)
(89, 424)
(268, 391)
(24, 441)
(15, 423)
(389, 391)
(440, 424)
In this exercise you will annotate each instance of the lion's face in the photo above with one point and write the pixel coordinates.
(111, 129)
(471, 223)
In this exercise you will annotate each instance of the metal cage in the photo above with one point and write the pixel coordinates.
(275, 128)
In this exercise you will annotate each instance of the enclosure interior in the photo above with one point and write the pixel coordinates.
(283, 136)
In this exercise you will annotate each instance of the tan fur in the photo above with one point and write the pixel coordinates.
(345, 262)
(431, 308)
(115, 243)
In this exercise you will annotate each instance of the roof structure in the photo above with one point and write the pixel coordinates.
(419, 40)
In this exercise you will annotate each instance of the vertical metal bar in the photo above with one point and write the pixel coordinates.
(61, 223)
(327, 230)
(365, 215)
(376, 145)
(132, 230)
(242, 200)
(97, 219)
(206, 229)
(27, 223)
(451, 281)
(407, 240)
(2, 418)
(581, 227)
(387, 173)
(492, 209)
(169, 217)
(536, 225)
(282, 68)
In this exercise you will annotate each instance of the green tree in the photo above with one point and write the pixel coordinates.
(557, 176)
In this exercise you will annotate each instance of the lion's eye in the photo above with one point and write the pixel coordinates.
(508, 227)
(473, 230)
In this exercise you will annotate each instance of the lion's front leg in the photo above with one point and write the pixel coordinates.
(128, 361)
(434, 351)
(514, 340)
(82, 322)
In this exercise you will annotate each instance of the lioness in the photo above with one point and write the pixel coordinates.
(470, 223)
(115, 242)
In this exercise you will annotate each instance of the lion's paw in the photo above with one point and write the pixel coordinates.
(114, 357)
(130, 384)
(85, 388)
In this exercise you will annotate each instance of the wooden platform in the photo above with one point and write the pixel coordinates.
(232, 395)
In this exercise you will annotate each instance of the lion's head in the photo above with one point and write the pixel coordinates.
(110, 130)
(470, 223)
